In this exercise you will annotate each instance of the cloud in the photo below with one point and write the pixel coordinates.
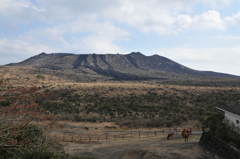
(20, 46)
(222, 59)
(209, 20)
(33, 26)
(16, 12)
(83, 35)
(216, 3)
(233, 20)
(166, 17)
(148, 16)
(17, 50)
(159, 16)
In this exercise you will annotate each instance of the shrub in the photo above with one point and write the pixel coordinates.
(44, 153)
(16, 138)
(24, 141)
(40, 153)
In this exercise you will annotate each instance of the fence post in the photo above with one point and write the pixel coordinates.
(63, 139)
(80, 139)
(106, 137)
(89, 138)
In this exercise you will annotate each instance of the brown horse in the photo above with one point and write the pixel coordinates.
(186, 133)
(190, 131)
(170, 135)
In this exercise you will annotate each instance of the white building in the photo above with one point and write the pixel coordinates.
(232, 114)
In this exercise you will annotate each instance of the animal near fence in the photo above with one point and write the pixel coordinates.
(109, 136)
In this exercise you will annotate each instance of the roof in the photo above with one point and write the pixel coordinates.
(233, 108)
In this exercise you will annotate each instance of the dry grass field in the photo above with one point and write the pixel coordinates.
(112, 101)
(115, 120)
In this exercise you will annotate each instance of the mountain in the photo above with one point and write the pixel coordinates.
(133, 66)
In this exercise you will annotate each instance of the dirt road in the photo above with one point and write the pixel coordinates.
(154, 148)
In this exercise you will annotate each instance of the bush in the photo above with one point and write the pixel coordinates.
(20, 141)
(44, 153)
(17, 138)
(5, 103)
(40, 153)
(41, 77)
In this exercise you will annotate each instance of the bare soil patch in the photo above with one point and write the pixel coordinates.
(158, 148)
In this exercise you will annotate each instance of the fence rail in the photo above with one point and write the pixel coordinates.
(122, 135)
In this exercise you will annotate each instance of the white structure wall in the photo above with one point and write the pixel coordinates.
(232, 118)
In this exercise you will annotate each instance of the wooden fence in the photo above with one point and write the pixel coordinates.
(109, 136)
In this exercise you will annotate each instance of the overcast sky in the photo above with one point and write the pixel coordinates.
(201, 34)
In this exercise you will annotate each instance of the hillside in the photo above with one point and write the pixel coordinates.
(94, 67)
